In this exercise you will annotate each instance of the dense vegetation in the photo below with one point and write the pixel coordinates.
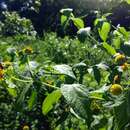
(76, 78)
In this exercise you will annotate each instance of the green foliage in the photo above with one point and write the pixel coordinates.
(109, 49)
(50, 100)
(66, 83)
(13, 24)
(103, 32)
(78, 22)
(128, 1)
(67, 16)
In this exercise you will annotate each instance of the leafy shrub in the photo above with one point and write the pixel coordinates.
(13, 24)
(55, 83)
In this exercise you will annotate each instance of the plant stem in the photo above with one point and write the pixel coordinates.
(49, 85)
(20, 80)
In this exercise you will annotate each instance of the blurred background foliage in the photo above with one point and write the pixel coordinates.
(44, 14)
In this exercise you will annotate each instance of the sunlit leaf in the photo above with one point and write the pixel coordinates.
(12, 92)
(32, 100)
(50, 100)
(117, 42)
(78, 22)
(77, 96)
(63, 19)
(65, 69)
(109, 48)
(104, 31)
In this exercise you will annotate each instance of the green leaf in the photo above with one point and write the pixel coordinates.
(104, 31)
(20, 100)
(109, 48)
(65, 69)
(12, 92)
(128, 1)
(117, 42)
(77, 96)
(63, 19)
(11, 87)
(32, 100)
(123, 31)
(50, 100)
(97, 74)
(98, 94)
(79, 23)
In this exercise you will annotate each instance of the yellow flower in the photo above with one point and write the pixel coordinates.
(26, 127)
(120, 58)
(116, 89)
(28, 50)
(1, 74)
(124, 67)
(1, 71)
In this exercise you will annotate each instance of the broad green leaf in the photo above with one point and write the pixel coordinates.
(50, 100)
(117, 42)
(11, 87)
(77, 96)
(65, 69)
(12, 92)
(78, 22)
(109, 48)
(32, 100)
(63, 19)
(104, 31)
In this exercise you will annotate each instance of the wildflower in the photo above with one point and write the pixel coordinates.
(26, 127)
(28, 50)
(1, 71)
(116, 89)
(120, 58)
(124, 67)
